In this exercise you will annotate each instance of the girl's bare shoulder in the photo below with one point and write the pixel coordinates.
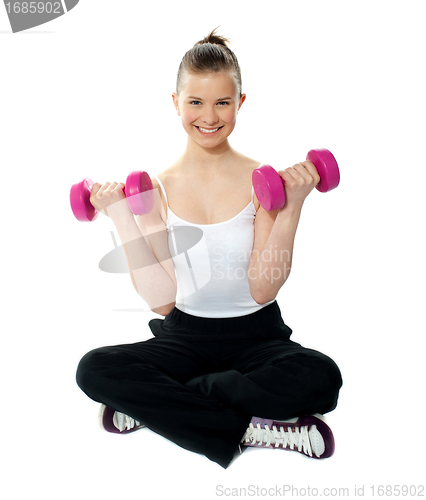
(166, 176)
(248, 165)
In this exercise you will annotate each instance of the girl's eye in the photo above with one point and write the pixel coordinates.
(221, 102)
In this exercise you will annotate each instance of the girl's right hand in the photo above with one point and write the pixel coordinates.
(109, 199)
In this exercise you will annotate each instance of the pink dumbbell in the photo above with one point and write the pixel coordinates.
(138, 190)
(269, 185)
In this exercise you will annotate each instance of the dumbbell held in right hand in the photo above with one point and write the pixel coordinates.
(138, 191)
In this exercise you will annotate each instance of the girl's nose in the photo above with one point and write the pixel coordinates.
(209, 116)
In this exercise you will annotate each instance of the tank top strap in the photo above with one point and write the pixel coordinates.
(162, 188)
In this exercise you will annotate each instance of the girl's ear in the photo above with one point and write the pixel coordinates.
(175, 102)
(242, 99)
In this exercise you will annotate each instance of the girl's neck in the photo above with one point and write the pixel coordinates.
(198, 161)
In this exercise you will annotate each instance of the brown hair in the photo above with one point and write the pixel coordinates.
(208, 56)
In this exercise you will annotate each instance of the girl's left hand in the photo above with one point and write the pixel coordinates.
(299, 181)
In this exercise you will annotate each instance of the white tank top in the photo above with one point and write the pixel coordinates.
(211, 263)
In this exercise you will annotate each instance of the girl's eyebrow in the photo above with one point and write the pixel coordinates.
(200, 99)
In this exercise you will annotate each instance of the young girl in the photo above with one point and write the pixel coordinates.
(221, 371)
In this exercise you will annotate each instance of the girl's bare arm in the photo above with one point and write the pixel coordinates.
(150, 279)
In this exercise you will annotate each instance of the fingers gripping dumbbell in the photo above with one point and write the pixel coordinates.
(138, 190)
(269, 185)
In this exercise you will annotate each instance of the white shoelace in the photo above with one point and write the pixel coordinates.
(279, 437)
(122, 421)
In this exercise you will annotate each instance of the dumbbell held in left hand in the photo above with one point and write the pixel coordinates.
(269, 185)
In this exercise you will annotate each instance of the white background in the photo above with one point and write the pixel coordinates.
(89, 95)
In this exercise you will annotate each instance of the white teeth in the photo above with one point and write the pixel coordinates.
(208, 131)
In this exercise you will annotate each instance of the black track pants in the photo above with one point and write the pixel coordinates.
(199, 381)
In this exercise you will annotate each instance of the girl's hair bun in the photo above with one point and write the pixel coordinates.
(214, 39)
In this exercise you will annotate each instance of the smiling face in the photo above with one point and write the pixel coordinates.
(208, 104)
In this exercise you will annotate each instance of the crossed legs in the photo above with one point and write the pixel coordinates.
(202, 394)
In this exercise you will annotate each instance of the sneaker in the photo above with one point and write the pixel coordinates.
(309, 435)
(114, 421)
